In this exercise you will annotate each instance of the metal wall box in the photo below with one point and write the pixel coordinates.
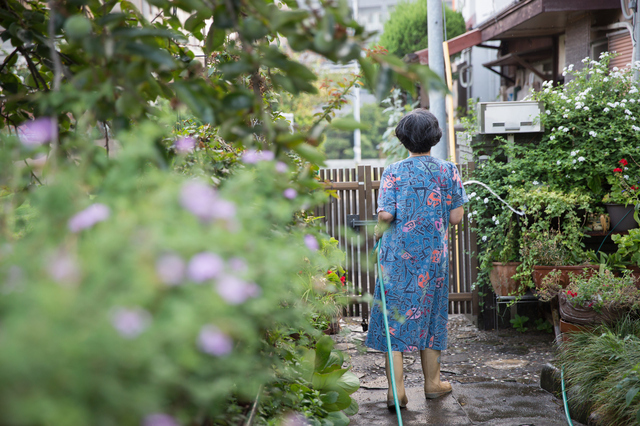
(510, 117)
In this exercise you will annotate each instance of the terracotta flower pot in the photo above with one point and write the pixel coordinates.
(501, 278)
(539, 272)
(621, 217)
(567, 328)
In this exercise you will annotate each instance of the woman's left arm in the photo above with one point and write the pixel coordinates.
(456, 215)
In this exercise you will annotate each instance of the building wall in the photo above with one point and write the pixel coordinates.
(577, 40)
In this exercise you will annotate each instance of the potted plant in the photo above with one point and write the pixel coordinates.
(505, 263)
(624, 196)
(552, 235)
(601, 297)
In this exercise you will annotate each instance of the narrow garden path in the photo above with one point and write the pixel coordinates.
(495, 379)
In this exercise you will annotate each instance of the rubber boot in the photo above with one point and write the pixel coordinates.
(433, 387)
(399, 376)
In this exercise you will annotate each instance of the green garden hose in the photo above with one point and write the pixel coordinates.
(386, 329)
(564, 398)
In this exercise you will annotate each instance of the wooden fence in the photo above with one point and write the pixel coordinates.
(349, 216)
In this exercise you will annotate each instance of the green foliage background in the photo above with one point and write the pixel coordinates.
(406, 30)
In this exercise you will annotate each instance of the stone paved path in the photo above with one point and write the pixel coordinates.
(495, 379)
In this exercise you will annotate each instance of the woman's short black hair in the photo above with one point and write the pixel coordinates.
(419, 131)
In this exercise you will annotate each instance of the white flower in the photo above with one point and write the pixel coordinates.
(473, 194)
(574, 153)
(593, 133)
(552, 137)
(475, 212)
(484, 238)
(535, 182)
(581, 159)
(548, 112)
(493, 218)
(626, 177)
(513, 172)
(634, 127)
(573, 162)
(633, 101)
(605, 79)
(470, 215)
(565, 115)
(606, 109)
(586, 108)
(558, 162)
(624, 101)
(497, 222)
(486, 200)
(626, 111)
(566, 129)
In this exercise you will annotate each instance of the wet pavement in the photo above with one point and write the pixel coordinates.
(495, 379)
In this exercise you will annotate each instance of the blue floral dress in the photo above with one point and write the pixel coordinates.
(420, 192)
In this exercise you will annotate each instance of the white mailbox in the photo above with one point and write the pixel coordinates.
(510, 117)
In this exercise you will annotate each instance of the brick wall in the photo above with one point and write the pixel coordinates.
(578, 40)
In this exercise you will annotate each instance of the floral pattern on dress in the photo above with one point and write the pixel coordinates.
(420, 192)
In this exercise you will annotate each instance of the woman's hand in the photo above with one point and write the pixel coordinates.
(456, 215)
(384, 219)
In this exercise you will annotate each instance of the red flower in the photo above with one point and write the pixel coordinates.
(634, 187)
(623, 162)
(329, 272)
(343, 280)
(617, 170)
(572, 293)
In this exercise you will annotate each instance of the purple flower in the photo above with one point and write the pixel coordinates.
(159, 419)
(205, 266)
(223, 209)
(311, 242)
(214, 342)
(251, 156)
(170, 269)
(281, 167)
(38, 131)
(290, 193)
(238, 265)
(197, 198)
(185, 145)
(235, 291)
(202, 201)
(130, 322)
(63, 268)
(88, 217)
(267, 155)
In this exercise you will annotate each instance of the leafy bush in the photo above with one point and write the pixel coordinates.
(406, 29)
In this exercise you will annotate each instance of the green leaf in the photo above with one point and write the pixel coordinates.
(237, 101)
(330, 397)
(152, 54)
(215, 39)
(348, 124)
(385, 80)
(323, 351)
(310, 153)
(338, 418)
(630, 395)
(77, 27)
(349, 382)
(352, 410)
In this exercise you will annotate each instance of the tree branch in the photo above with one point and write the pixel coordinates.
(8, 58)
(34, 71)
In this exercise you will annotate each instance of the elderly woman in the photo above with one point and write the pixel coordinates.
(419, 197)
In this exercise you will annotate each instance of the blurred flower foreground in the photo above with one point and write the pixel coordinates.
(158, 264)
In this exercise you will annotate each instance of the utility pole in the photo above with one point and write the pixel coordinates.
(636, 37)
(437, 103)
(357, 146)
